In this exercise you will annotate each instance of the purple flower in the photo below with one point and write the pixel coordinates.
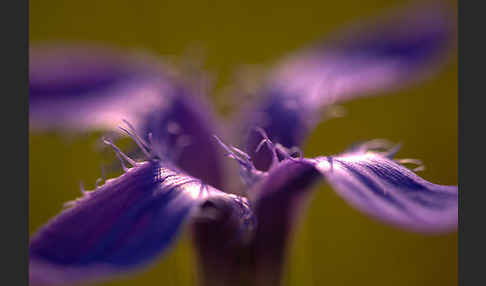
(179, 180)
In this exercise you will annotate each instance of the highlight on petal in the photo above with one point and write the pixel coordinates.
(373, 183)
(371, 58)
(94, 88)
(368, 180)
(382, 188)
(125, 222)
(121, 225)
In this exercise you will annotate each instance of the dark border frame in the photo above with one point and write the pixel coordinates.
(471, 172)
(15, 94)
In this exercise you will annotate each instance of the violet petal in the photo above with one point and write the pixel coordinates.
(369, 181)
(278, 200)
(94, 88)
(387, 191)
(183, 133)
(91, 87)
(362, 61)
(120, 226)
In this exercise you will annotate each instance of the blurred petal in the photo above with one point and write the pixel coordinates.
(94, 88)
(122, 225)
(90, 87)
(183, 133)
(371, 58)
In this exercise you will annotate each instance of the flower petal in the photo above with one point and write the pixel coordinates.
(380, 187)
(94, 88)
(183, 133)
(371, 182)
(363, 61)
(278, 200)
(118, 227)
(91, 87)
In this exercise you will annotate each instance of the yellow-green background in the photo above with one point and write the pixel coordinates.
(335, 245)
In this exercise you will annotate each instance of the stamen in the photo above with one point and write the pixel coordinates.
(142, 144)
(393, 151)
(335, 111)
(377, 144)
(260, 145)
(289, 153)
(240, 152)
(282, 150)
(409, 161)
(98, 182)
(81, 187)
(120, 154)
(382, 146)
(419, 169)
(248, 172)
(69, 204)
(270, 145)
(103, 172)
(420, 165)
(135, 133)
(157, 152)
(297, 150)
(230, 153)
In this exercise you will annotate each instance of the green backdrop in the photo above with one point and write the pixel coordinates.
(334, 244)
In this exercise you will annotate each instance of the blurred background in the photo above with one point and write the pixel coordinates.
(334, 244)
